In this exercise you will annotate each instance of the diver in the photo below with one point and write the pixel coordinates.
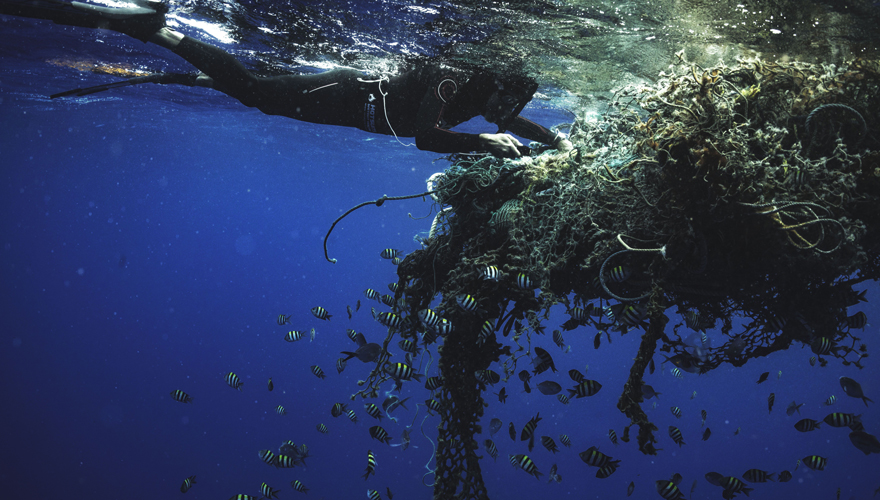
(424, 102)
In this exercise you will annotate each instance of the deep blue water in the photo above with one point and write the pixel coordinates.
(150, 238)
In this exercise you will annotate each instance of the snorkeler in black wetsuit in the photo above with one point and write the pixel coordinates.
(423, 103)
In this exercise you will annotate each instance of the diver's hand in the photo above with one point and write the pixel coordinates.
(501, 145)
(563, 145)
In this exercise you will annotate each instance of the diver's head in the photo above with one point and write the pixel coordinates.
(507, 99)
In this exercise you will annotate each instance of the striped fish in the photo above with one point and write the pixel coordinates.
(298, 486)
(387, 299)
(338, 409)
(321, 313)
(668, 490)
(371, 464)
(549, 443)
(373, 495)
(294, 335)
(283, 320)
(373, 411)
(187, 484)
(758, 476)
(401, 371)
(267, 456)
(830, 401)
(857, 320)
(466, 302)
(429, 319)
(491, 449)
(734, 485)
(563, 399)
(434, 383)
(612, 436)
(524, 282)
(322, 429)
(340, 365)
(390, 253)
(528, 430)
(815, 462)
(393, 287)
(525, 463)
(620, 274)
(352, 416)
(318, 371)
(380, 434)
(444, 328)
(807, 425)
(565, 440)
(372, 294)
(386, 319)
(821, 346)
(492, 273)
(433, 404)
(585, 389)
(558, 340)
(268, 492)
(606, 471)
(676, 436)
(592, 456)
(488, 377)
(841, 419)
(233, 381)
(181, 396)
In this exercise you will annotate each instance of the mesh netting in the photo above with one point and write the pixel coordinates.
(746, 195)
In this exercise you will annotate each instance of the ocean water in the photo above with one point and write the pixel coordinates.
(150, 238)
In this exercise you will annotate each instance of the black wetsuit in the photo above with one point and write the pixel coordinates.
(422, 103)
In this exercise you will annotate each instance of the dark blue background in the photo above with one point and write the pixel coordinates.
(219, 212)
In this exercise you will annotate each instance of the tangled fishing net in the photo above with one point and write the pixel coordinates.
(746, 195)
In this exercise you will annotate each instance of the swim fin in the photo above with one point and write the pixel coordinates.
(188, 79)
(141, 21)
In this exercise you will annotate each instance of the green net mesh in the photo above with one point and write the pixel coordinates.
(746, 195)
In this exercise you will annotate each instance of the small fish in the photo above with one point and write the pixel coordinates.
(706, 434)
(267, 456)
(563, 399)
(298, 486)
(388, 488)
(676, 372)
(793, 407)
(630, 488)
(812, 360)
(268, 492)
(524, 282)
(233, 381)
(857, 320)
(549, 443)
(815, 462)
(488, 376)
(597, 340)
(512, 431)
(770, 400)
(271, 385)
(528, 431)
(396, 261)
(758, 476)
(554, 477)
(349, 311)
(373, 495)
(620, 274)
(866, 443)
(340, 365)
(492, 273)
(338, 409)
(322, 429)
(807, 425)
(830, 401)
(485, 332)
(494, 426)
(558, 340)
(694, 395)
(565, 440)
(734, 485)
(318, 371)
(668, 490)
(502, 395)
(434, 383)
(784, 476)
(373, 411)
(525, 463)
(676, 411)
(543, 361)
(187, 484)
(380, 434)
(466, 302)
(181, 397)
(736, 431)
(763, 377)
(853, 389)
(390, 253)
(373, 295)
(371, 464)
(676, 436)
(821, 346)
(585, 388)
(841, 419)
(321, 313)
(779, 375)
(612, 436)
(592, 456)
(549, 388)
(387, 299)
(357, 306)
(491, 449)
(625, 437)
(294, 335)
(280, 410)
(606, 471)
(648, 392)
(283, 320)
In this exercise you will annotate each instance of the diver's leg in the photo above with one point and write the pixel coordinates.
(141, 21)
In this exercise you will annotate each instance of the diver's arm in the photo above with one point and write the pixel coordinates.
(532, 131)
